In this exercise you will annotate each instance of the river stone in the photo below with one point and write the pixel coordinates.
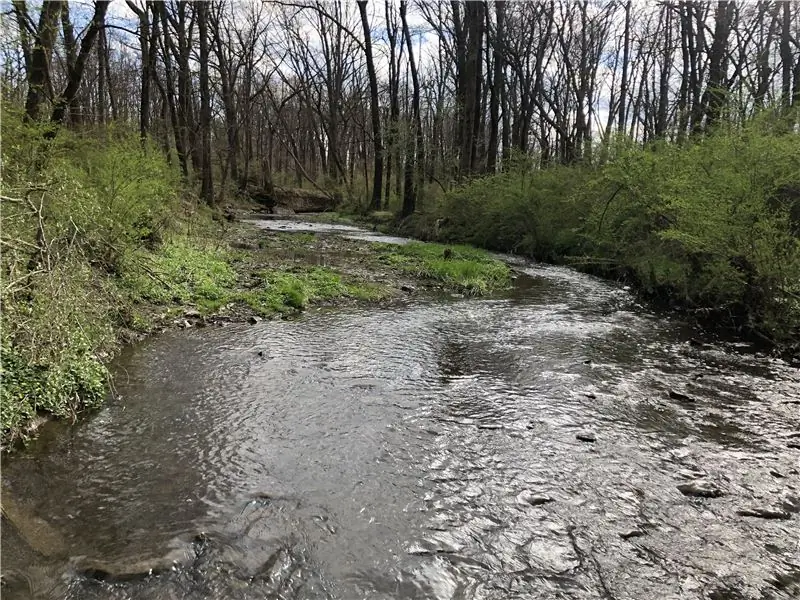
(552, 555)
(680, 396)
(763, 513)
(632, 533)
(700, 489)
(586, 436)
(254, 319)
(528, 497)
(135, 567)
(791, 503)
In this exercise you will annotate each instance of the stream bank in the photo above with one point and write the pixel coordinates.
(554, 440)
(233, 272)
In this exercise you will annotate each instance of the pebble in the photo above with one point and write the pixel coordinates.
(699, 489)
(633, 533)
(764, 513)
(533, 499)
(681, 396)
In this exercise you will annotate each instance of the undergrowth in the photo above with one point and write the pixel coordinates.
(461, 268)
(712, 226)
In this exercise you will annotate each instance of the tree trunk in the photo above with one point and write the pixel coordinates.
(377, 143)
(39, 72)
(497, 86)
(716, 91)
(415, 158)
(786, 55)
(76, 73)
(207, 188)
(623, 84)
(472, 76)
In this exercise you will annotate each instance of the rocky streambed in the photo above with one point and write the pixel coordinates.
(557, 440)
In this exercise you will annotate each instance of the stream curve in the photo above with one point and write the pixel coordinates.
(558, 441)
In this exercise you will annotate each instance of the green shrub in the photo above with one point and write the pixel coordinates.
(712, 224)
(75, 209)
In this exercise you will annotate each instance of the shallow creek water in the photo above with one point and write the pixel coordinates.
(425, 451)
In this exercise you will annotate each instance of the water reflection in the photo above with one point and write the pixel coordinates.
(423, 452)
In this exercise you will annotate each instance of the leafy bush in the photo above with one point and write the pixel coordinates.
(526, 211)
(711, 225)
(75, 209)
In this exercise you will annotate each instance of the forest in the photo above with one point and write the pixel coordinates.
(651, 142)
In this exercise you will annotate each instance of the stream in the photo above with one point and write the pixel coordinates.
(557, 441)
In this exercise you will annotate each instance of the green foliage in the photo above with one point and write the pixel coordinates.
(75, 382)
(465, 269)
(706, 223)
(290, 291)
(711, 225)
(526, 211)
(182, 272)
(75, 207)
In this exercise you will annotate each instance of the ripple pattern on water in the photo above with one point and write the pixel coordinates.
(427, 452)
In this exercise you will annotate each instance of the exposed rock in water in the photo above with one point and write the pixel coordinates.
(681, 397)
(700, 489)
(39, 534)
(791, 503)
(134, 568)
(528, 497)
(763, 513)
(633, 533)
(586, 436)
(254, 319)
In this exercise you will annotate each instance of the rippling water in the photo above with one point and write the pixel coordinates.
(422, 452)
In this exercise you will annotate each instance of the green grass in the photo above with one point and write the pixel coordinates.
(466, 270)
(292, 291)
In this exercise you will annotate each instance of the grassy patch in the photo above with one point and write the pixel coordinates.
(290, 291)
(460, 268)
(183, 272)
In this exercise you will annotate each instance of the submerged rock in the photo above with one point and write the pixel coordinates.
(632, 533)
(700, 489)
(586, 436)
(680, 396)
(528, 497)
(135, 567)
(764, 513)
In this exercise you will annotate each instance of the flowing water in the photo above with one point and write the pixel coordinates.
(423, 451)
